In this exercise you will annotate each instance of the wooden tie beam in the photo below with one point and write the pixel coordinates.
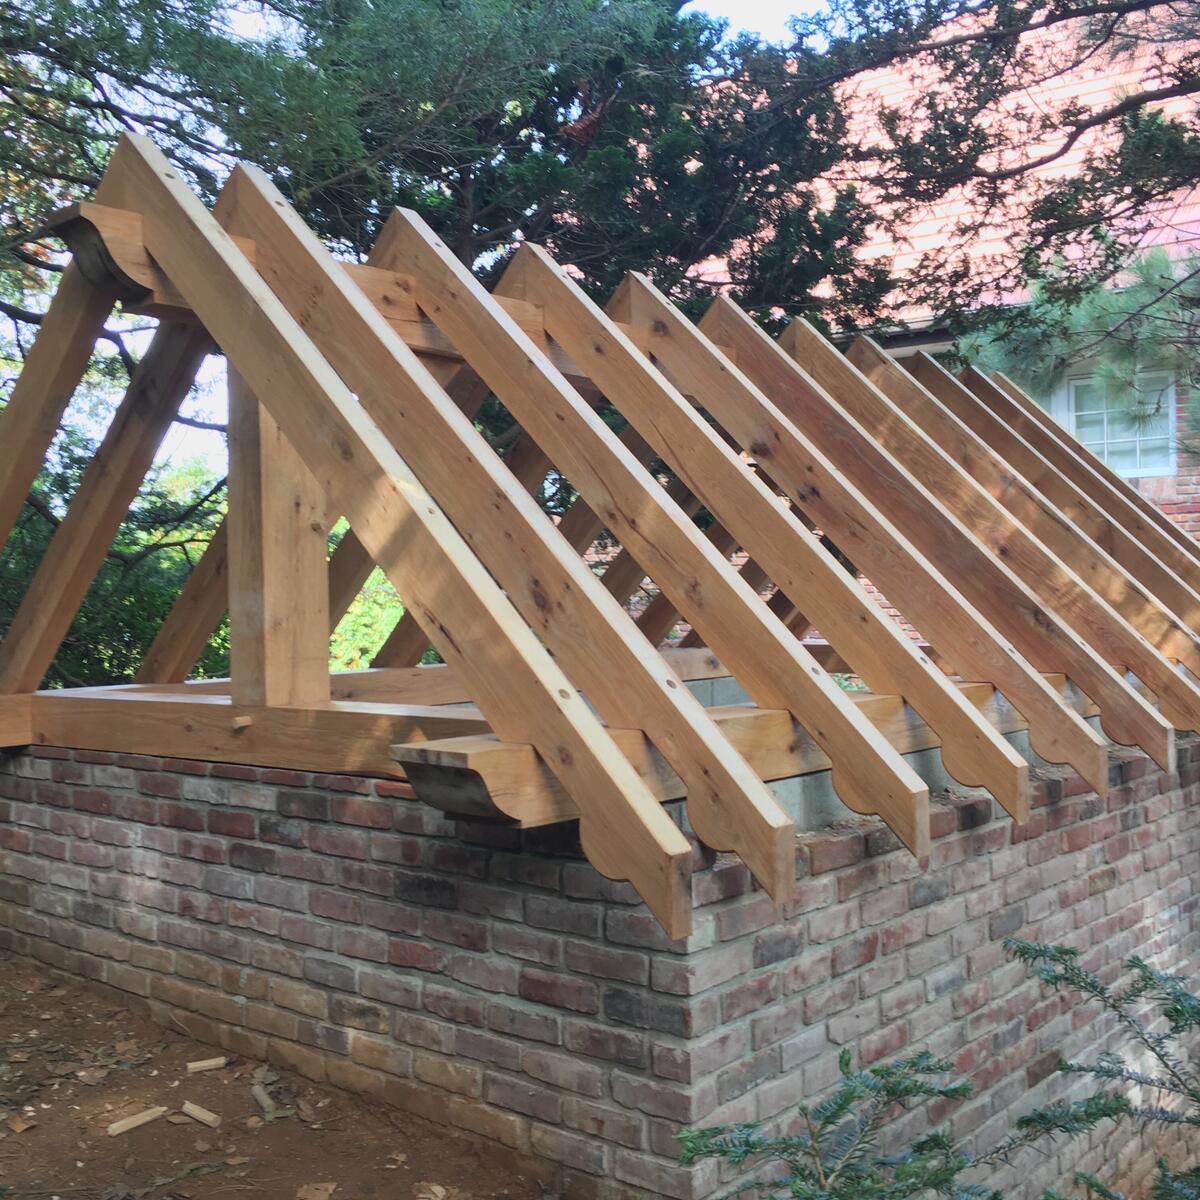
(353, 388)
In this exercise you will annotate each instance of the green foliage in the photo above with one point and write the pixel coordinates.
(834, 1153)
(1151, 322)
(366, 625)
(155, 550)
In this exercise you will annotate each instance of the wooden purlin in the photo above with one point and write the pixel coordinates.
(522, 693)
(1091, 562)
(109, 485)
(806, 470)
(768, 662)
(1169, 528)
(1084, 470)
(546, 581)
(1126, 715)
(999, 430)
(788, 551)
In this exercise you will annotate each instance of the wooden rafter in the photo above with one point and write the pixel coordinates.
(999, 428)
(766, 660)
(1028, 567)
(1136, 605)
(596, 643)
(473, 623)
(1116, 483)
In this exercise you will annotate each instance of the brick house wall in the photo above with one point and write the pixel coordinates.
(493, 981)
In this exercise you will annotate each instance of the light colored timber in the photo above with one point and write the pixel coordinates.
(765, 659)
(350, 567)
(435, 683)
(109, 485)
(804, 467)
(1079, 465)
(1126, 715)
(550, 586)
(16, 720)
(1072, 545)
(278, 576)
(136, 1121)
(662, 614)
(519, 688)
(124, 247)
(790, 553)
(480, 776)
(405, 646)
(51, 372)
(345, 736)
(1000, 425)
(873, 459)
(688, 567)
(1169, 528)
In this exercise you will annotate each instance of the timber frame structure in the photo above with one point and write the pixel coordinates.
(1047, 590)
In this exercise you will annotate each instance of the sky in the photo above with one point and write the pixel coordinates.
(767, 18)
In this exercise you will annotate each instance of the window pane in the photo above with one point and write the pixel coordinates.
(1087, 398)
(1089, 427)
(1122, 456)
(1155, 453)
(1154, 424)
(1122, 423)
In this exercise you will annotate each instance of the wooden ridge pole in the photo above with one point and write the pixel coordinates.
(806, 469)
(520, 690)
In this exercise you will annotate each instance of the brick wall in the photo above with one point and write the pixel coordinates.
(495, 982)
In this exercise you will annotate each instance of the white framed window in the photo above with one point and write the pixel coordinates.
(1134, 432)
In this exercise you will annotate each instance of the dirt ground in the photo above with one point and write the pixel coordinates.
(72, 1062)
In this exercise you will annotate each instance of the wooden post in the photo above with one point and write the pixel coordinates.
(278, 572)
